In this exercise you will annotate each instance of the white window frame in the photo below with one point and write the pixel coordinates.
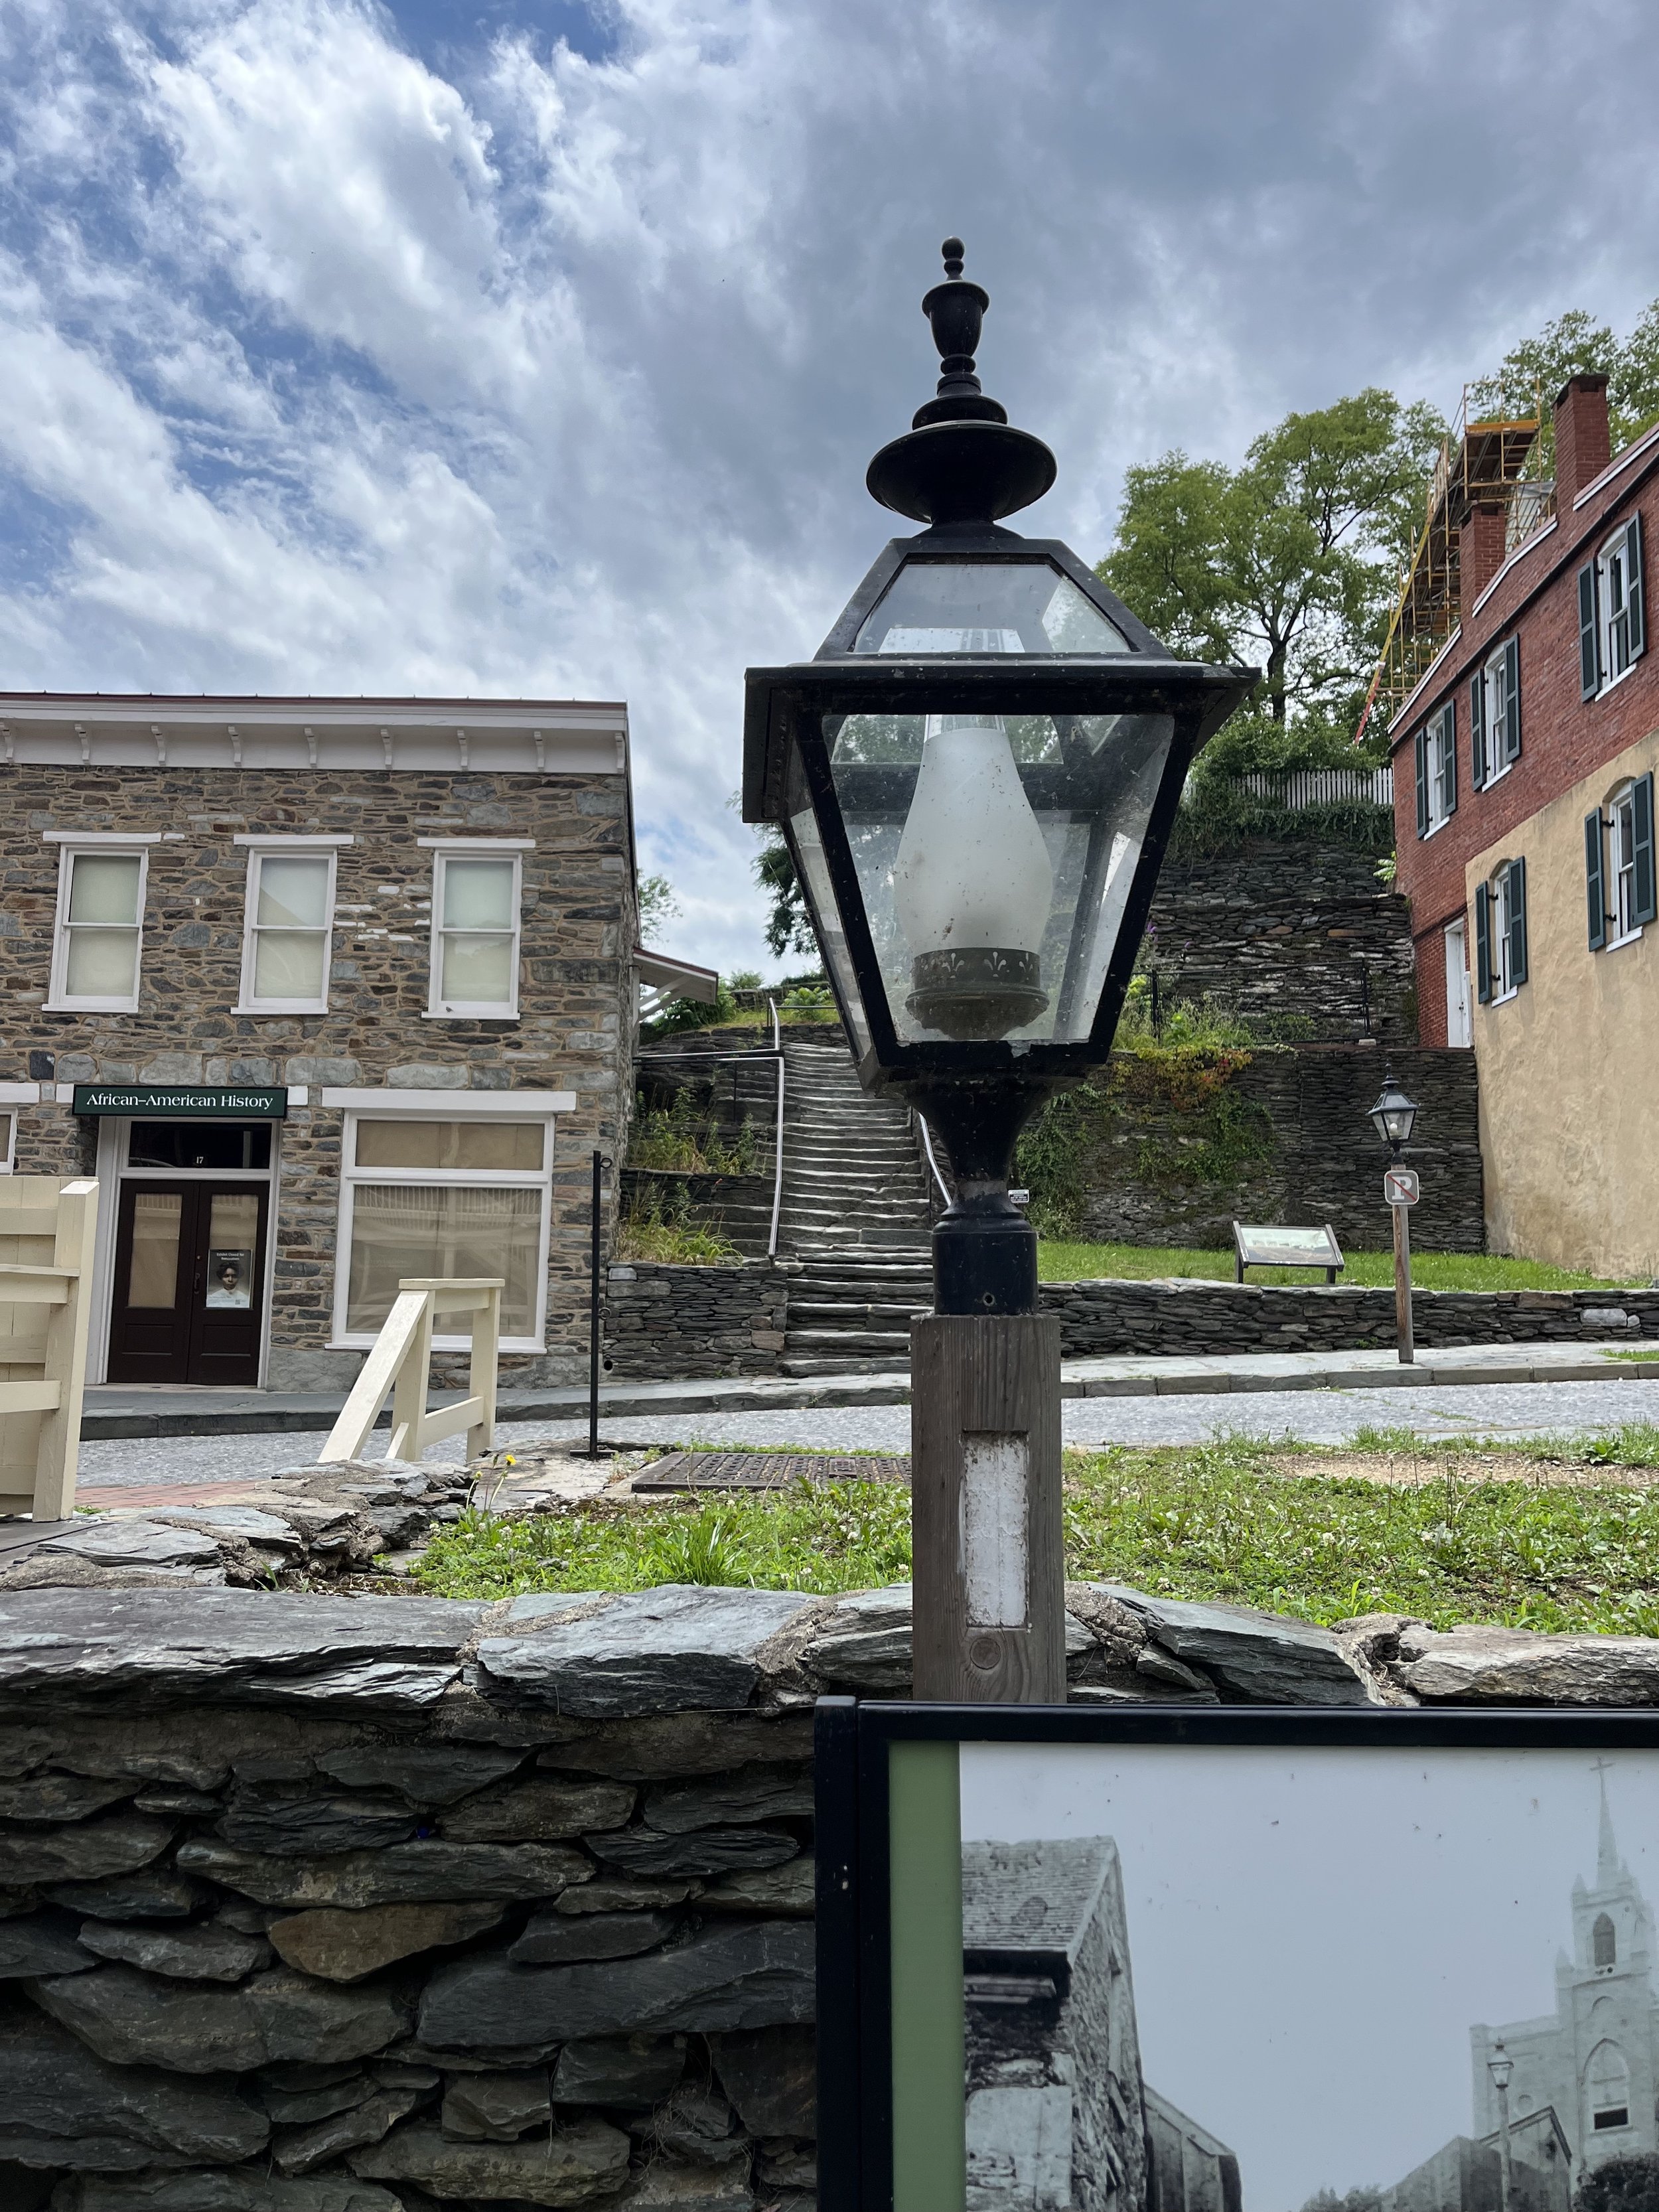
(1493, 680)
(410, 1106)
(1612, 554)
(259, 850)
(1456, 943)
(1442, 757)
(443, 850)
(103, 847)
(1619, 817)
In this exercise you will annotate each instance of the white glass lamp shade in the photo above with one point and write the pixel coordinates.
(972, 884)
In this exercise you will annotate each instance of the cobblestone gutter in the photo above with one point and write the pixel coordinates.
(314, 1904)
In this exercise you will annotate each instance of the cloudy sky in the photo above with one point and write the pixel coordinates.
(537, 346)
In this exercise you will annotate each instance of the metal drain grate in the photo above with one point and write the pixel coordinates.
(695, 1471)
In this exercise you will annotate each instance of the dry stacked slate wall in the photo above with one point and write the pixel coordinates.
(325, 1904)
(681, 1322)
(1172, 1147)
(1299, 936)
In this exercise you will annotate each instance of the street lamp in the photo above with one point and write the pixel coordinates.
(1501, 2067)
(1394, 1117)
(976, 775)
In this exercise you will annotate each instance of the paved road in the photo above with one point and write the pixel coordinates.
(1529, 1409)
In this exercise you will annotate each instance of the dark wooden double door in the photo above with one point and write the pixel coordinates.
(189, 1287)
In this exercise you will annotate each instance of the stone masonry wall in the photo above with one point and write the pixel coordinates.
(678, 1322)
(575, 1031)
(1309, 1154)
(1301, 937)
(332, 1904)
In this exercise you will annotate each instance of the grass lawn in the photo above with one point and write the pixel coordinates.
(1533, 1537)
(1431, 1271)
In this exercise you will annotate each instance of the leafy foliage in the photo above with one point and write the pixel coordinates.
(1620, 2184)
(1532, 372)
(657, 906)
(1283, 560)
(788, 927)
(680, 1138)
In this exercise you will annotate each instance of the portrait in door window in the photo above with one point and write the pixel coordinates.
(230, 1279)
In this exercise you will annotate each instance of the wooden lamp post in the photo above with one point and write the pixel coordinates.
(976, 776)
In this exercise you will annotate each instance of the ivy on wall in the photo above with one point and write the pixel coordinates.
(1205, 1133)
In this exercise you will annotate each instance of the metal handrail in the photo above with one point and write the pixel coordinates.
(777, 1145)
(927, 1146)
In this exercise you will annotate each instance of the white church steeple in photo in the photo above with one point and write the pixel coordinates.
(1596, 2060)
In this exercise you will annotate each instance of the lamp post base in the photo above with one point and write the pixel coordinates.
(988, 1609)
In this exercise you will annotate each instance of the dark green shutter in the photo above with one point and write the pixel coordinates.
(1641, 797)
(1590, 648)
(1449, 756)
(1595, 897)
(1512, 700)
(1517, 906)
(1478, 728)
(1638, 629)
(1420, 749)
(1482, 944)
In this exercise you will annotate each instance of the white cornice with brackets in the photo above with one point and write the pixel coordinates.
(423, 736)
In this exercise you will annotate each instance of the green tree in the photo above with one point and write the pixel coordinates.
(1288, 560)
(657, 906)
(787, 928)
(1533, 372)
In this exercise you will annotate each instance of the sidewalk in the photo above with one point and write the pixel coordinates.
(113, 1411)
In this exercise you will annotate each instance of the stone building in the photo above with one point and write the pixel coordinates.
(1059, 2117)
(1595, 2060)
(326, 993)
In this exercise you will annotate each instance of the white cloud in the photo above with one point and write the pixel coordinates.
(338, 358)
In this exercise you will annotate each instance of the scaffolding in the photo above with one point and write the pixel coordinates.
(1479, 464)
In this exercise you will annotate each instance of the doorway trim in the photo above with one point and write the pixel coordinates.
(112, 1170)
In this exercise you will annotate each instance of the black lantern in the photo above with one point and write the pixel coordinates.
(976, 776)
(1393, 1116)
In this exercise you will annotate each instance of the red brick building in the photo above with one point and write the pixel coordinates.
(1524, 767)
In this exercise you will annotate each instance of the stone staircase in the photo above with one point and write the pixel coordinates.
(855, 1217)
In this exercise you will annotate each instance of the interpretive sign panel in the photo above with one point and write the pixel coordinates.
(1277, 1247)
(1401, 1186)
(1076, 1957)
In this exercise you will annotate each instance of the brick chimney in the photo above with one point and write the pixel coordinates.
(1480, 551)
(1582, 449)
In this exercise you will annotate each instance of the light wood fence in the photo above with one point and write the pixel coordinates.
(47, 1233)
(399, 1360)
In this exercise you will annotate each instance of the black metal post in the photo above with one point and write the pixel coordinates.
(593, 1316)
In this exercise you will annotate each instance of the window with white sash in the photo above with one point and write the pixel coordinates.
(475, 932)
(288, 934)
(1611, 618)
(100, 927)
(451, 1196)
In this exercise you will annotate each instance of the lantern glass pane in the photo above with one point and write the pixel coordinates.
(986, 606)
(994, 856)
(821, 903)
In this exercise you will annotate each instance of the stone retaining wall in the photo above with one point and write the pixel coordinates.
(331, 1904)
(1173, 1318)
(677, 1323)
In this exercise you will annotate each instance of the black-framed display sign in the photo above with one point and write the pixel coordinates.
(1298, 1960)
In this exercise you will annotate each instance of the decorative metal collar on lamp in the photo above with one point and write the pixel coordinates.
(1393, 1116)
(976, 776)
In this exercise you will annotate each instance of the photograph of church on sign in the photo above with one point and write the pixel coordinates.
(1306, 1954)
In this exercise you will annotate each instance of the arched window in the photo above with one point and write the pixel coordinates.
(1607, 2088)
(1604, 1947)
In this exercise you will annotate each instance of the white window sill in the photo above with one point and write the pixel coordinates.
(89, 1007)
(470, 1014)
(1433, 830)
(290, 1006)
(526, 1343)
(1503, 998)
(1611, 683)
(1496, 777)
(1630, 937)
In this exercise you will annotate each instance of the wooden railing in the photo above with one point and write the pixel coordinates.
(47, 1232)
(398, 1363)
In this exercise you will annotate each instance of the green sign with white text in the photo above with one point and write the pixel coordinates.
(157, 1103)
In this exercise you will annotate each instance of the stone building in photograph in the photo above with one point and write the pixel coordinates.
(1060, 2118)
(326, 993)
